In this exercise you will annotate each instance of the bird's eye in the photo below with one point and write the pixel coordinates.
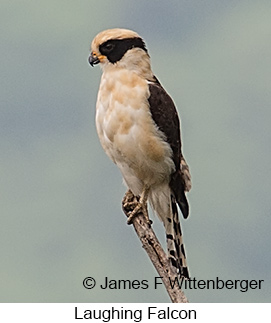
(109, 47)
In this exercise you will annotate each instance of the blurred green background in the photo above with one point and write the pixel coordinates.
(60, 198)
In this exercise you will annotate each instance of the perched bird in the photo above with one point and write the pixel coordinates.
(138, 127)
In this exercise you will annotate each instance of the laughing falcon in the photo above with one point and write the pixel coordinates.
(138, 126)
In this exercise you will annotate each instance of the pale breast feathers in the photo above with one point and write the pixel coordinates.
(126, 127)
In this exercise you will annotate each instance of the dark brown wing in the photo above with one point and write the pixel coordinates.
(165, 116)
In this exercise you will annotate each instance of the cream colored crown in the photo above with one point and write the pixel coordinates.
(116, 33)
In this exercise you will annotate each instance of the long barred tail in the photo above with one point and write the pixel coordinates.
(164, 204)
(175, 244)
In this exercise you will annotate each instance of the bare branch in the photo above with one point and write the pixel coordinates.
(154, 249)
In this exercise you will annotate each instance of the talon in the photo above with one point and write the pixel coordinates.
(129, 202)
(135, 205)
(130, 219)
(139, 207)
(149, 222)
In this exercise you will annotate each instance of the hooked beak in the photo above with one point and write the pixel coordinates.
(93, 59)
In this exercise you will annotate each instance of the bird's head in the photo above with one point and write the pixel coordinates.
(121, 48)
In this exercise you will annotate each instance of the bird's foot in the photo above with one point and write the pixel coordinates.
(129, 202)
(133, 205)
(138, 209)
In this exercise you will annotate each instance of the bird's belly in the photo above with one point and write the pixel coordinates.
(131, 139)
